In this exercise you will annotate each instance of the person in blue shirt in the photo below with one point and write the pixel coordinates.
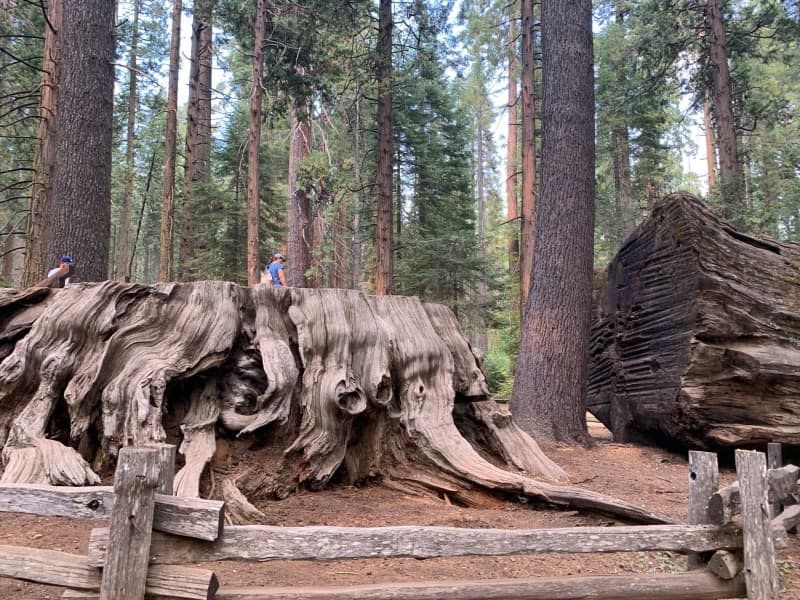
(275, 270)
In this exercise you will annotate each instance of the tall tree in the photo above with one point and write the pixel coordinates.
(384, 245)
(729, 166)
(82, 181)
(511, 148)
(123, 252)
(300, 234)
(197, 170)
(254, 144)
(528, 230)
(44, 159)
(623, 185)
(711, 146)
(170, 139)
(549, 397)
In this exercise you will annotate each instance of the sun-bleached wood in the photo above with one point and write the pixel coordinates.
(131, 524)
(697, 585)
(73, 571)
(190, 517)
(774, 461)
(166, 468)
(703, 482)
(210, 355)
(260, 542)
(759, 550)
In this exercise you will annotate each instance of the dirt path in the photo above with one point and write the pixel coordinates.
(646, 476)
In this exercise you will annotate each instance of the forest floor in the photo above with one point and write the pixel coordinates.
(650, 477)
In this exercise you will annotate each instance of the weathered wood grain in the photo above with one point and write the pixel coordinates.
(759, 552)
(775, 461)
(703, 482)
(259, 542)
(725, 564)
(73, 571)
(131, 524)
(696, 340)
(696, 585)
(788, 519)
(191, 517)
(166, 469)
(726, 502)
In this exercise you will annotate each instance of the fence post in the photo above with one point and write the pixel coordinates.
(761, 575)
(131, 524)
(166, 461)
(774, 461)
(703, 482)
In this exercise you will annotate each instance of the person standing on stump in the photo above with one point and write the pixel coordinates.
(275, 270)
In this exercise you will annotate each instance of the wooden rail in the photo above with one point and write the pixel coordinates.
(730, 539)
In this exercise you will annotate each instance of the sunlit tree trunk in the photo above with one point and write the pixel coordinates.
(36, 262)
(384, 246)
(528, 233)
(171, 134)
(299, 239)
(127, 202)
(549, 397)
(253, 145)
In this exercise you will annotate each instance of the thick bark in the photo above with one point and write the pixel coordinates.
(730, 175)
(697, 334)
(39, 219)
(528, 229)
(82, 180)
(198, 140)
(549, 395)
(170, 136)
(123, 252)
(384, 246)
(317, 383)
(299, 238)
(253, 146)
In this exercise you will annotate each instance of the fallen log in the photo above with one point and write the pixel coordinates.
(342, 383)
(696, 341)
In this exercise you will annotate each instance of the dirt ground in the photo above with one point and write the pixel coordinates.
(647, 476)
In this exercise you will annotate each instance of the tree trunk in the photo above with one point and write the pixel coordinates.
(40, 217)
(511, 148)
(549, 395)
(198, 141)
(696, 339)
(309, 384)
(729, 172)
(253, 147)
(299, 204)
(528, 229)
(711, 148)
(170, 136)
(337, 272)
(123, 253)
(623, 186)
(482, 339)
(384, 247)
(82, 179)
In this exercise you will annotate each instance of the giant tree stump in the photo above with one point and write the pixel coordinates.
(341, 383)
(697, 337)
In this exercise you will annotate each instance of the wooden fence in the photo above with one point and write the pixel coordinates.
(730, 538)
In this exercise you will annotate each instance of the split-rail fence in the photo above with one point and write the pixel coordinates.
(730, 539)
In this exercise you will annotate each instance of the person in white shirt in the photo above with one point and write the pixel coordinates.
(66, 261)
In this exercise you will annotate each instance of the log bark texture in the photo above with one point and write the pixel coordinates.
(696, 341)
(327, 382)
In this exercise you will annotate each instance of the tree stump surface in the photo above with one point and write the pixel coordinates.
(696, 341)
(341, 383)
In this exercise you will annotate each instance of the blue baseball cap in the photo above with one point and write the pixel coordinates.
(66, 259)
